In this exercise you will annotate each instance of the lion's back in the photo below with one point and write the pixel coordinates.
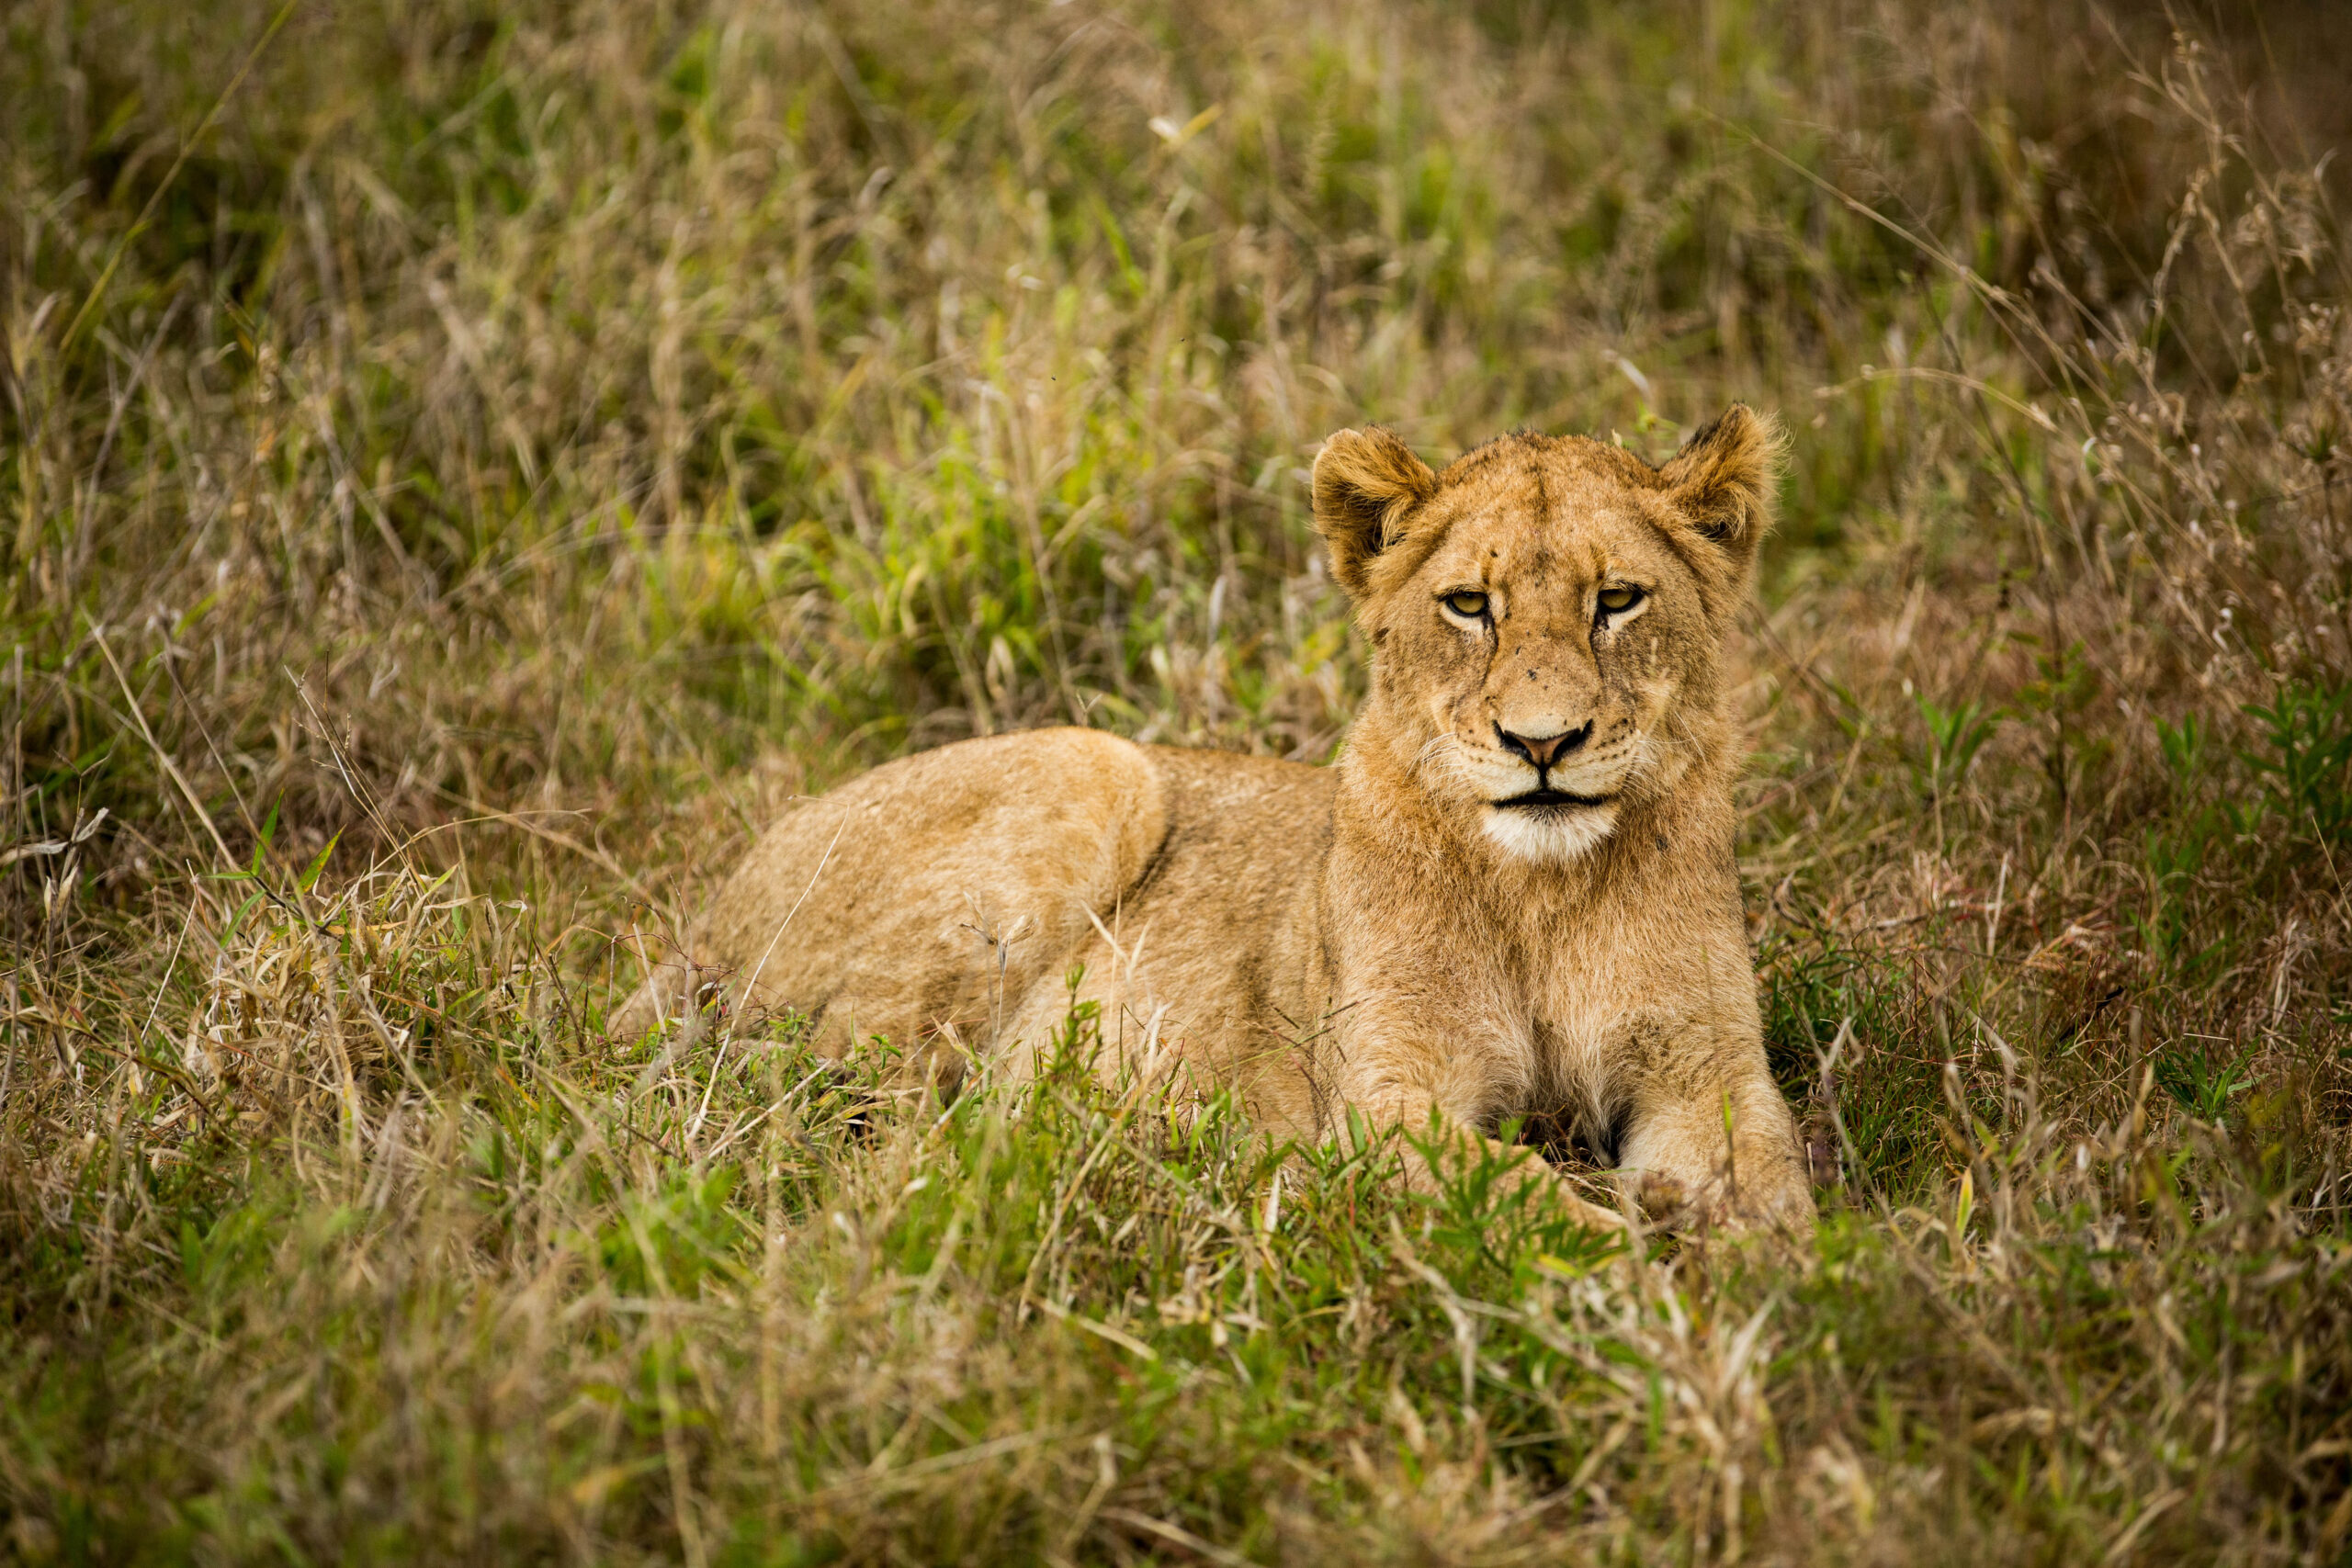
(942, 889)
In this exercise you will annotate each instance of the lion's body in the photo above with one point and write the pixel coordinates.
(955, 890)
(1515, 894)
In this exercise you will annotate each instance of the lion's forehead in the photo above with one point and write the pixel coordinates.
(1547, 528)
(1553, 456)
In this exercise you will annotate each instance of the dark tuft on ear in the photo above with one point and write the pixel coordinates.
(1367, 483)
(1724, 478)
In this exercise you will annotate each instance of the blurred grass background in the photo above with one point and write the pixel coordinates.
(462, 468)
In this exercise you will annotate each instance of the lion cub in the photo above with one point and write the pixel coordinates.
(1513, 894)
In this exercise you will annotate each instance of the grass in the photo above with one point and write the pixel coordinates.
(462, 466)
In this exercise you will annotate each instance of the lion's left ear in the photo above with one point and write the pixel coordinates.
(1724, 478)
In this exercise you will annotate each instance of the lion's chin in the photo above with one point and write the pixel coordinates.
(1550, 834)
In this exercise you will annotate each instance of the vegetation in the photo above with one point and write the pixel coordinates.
(463, 465)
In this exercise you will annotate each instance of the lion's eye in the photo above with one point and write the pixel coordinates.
(1617, 600)
(1469, 606)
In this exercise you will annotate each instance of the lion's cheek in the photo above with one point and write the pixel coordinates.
(1657, 696)
(1458, 712)
(1435, 678)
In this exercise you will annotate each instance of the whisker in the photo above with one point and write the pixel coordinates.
(1441, 744)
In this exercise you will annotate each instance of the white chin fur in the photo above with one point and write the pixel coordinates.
(1550, 834)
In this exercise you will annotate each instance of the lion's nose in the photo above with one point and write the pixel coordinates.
(1543, 750)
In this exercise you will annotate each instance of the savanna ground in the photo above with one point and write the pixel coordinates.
(462, 466)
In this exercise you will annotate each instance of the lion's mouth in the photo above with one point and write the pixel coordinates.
(1549, 800)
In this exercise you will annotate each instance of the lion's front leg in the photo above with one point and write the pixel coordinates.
(1529, 1166)
(1716, 1146)
(1442, 1102)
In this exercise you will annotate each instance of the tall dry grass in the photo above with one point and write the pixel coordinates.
(464, 466)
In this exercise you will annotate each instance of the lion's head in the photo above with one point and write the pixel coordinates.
(1547, 616)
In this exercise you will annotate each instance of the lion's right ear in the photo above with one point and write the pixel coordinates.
(1367, 482)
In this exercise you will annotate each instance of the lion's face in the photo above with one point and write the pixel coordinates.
(1547, 616)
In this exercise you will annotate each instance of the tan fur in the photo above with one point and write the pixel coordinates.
(1377, 934)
